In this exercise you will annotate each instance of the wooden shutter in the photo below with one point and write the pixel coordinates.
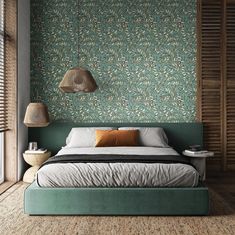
(210, 74)
(3, 109)
(216, 76)
(230, 83)
(10, 70)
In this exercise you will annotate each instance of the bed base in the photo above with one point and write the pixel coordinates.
(116, 201)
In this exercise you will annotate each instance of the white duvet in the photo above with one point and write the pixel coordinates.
(117, 174)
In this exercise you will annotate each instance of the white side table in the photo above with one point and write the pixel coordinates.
(201, 155)
(35, 160)
(199, 161)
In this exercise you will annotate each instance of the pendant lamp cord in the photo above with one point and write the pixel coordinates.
(77, 32)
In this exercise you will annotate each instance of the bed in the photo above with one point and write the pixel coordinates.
(177, 189)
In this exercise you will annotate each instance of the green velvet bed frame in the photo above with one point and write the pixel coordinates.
(117, 201)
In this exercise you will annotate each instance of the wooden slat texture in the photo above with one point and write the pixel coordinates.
(10, 140)
(217, 79)
(3, 106)
(210, 59)
(230, 98)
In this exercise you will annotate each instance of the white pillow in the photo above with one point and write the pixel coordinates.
(83, 136)
(150, 136)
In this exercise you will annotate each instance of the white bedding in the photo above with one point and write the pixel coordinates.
(118, 174)
(119, 150)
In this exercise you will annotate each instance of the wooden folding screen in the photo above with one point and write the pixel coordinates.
(216, 78)
(230, 84)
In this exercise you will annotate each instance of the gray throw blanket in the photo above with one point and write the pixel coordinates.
(115, 158)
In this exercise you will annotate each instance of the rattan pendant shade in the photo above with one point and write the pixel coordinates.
(36, 115)
(76, 80)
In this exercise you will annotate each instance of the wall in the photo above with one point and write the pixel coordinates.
(141, 53)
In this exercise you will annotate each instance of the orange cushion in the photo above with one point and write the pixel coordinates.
(109, 138)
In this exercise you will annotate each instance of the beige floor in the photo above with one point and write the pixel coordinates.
(14, 221)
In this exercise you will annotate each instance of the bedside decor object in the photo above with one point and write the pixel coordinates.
(33, 146)
(195, 148)
(76, 80)
(36, 115)
(35, 160)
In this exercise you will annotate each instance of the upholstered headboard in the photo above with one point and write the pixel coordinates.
(180, 135)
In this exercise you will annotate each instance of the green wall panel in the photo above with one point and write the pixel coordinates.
(142, 54)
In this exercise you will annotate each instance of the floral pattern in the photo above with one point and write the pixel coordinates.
(141, 53)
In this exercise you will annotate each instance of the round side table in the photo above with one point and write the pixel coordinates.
(201, 155)
(199, 161)
(35, 160)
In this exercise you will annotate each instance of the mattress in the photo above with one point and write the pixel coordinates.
(117, 174)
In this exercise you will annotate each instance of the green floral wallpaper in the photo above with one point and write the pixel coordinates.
(142, 54)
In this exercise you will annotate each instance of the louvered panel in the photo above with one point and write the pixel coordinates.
(230, 95)
(230, 124)
(211, 144)
(210, 40)
(211, 119)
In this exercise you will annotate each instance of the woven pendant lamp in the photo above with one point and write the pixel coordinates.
(76, 80)
(36, 115)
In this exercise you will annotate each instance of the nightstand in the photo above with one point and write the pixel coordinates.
(35, 160)
(202, 155)
(199, 162)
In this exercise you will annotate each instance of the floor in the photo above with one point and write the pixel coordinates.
(223, 184)
(220, 221)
